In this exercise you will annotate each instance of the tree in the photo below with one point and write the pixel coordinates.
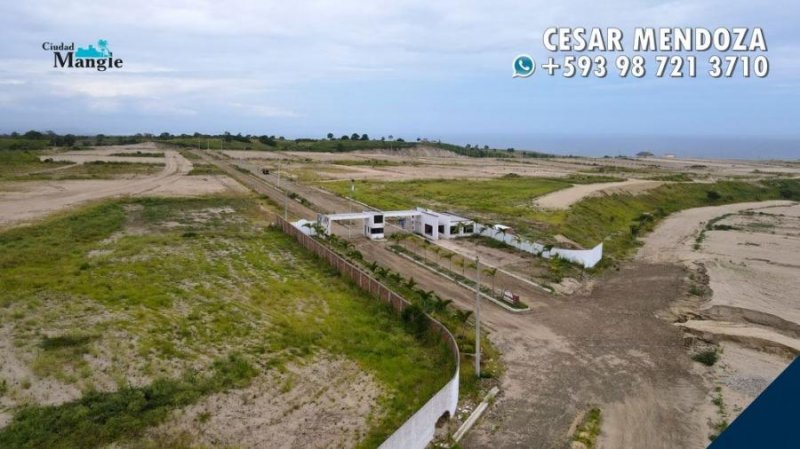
(425, 245)
(462, 315)
(364, 137)
(330, 136)
(70, 140)
(355, 136)
(449, 257)
(491, 272)
(268, 141)
(462, 263)
(713, 195)
(345, 137)
(438, 251)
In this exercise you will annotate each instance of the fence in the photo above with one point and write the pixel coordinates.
(586, 257)
(419, 429)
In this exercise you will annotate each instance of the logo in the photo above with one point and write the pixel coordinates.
(524, 66)
(98, 57)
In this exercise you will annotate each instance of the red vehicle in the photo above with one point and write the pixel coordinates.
(510, 297)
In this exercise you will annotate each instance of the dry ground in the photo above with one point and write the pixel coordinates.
(752, 310)
(25, 201)
(309, 406)
(610, 347)
(562, 199)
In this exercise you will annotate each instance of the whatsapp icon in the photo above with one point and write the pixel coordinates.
(524, 66)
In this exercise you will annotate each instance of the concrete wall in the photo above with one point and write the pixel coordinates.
(418, 430)
(585, 257)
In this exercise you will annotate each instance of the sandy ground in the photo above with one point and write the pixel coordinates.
(674, 238)
(562, 199)
(16, 372)
(25, 201)
(742, 374)
(753, 271)
(427, 163)
(323, 404)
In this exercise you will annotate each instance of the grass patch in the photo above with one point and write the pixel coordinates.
(707, 357)
(589, 429)
(98, 419)
(174, 281)
(15, 165)
(28, 166)
(138, 154)
(205, 170)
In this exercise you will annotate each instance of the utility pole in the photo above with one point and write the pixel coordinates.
(285, 194)
(478, 317)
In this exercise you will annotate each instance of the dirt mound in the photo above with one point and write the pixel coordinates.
(418, 151)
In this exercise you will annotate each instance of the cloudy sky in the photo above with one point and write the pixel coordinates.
(413, 68)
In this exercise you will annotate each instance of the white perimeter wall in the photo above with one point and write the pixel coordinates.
(585, 257)
(418, 431)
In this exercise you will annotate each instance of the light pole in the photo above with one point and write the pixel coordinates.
(285, 194)
(478, 317)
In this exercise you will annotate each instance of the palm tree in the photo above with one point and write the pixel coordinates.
(491, 272)
(462, 315)
(449, 257)
(463, 264)
(411, 283)
(425, 298)
(440, 305)
(473, 265)
(438, 251)
(425, 245)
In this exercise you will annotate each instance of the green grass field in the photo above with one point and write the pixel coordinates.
(195, 296)
(507, 199)
(617, 220)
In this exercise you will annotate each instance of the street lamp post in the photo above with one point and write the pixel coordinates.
(478, 317)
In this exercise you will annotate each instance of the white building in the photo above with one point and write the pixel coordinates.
(430, 224)
(439, 225)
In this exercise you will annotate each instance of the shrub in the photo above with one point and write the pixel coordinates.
(707, 357)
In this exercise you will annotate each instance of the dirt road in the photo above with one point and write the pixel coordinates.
(562, 199)
(606, 348)
(25, 201)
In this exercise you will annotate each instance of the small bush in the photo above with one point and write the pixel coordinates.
(696, 291)
(708, 357)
